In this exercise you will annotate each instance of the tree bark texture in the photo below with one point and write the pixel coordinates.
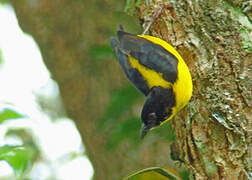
(213, 133)
(215, 39)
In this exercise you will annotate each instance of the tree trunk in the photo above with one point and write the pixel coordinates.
(215, 39)
(213, 133)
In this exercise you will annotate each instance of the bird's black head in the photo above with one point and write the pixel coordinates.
(157, 108)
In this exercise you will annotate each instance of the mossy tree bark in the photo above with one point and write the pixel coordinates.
(214, 37)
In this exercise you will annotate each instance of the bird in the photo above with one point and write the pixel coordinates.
(158, 71)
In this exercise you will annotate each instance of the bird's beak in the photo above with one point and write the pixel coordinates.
(144, 130)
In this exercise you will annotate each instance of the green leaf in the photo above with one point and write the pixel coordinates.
(154, 173)
(19, 157)
(6, 114)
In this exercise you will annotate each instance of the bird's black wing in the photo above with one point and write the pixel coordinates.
(149, 54)
(132, 74)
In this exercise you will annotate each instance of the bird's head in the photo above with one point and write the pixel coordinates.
(157, 108)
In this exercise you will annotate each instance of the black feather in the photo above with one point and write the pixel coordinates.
(132, 74)
(149, 54)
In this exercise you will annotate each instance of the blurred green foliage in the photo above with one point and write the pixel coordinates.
(129, 127)
(166, 131)
(19, 157)
(130, 23)
(7, 114)
(185, 174)
(127, 130)
(147, 2)
(100, 52)
(3, 1)
(131, 5)
(121, 101)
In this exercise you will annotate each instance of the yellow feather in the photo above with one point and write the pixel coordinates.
(152, 77)
(182, 87)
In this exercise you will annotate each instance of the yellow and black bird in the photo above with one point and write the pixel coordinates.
(158, 71)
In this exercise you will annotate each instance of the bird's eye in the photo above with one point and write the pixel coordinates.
(152, 116)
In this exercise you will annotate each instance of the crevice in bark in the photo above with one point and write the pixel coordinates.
(238, 85)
